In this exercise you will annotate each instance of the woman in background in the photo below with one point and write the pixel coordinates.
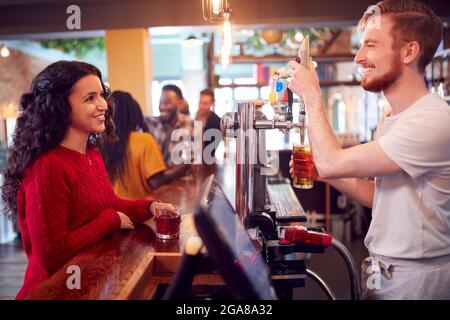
(134, 162)
(134, 157)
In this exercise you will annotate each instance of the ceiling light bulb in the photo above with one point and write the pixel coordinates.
(216, 6)
(227, 33)
(225, 57)
(299, 36)
(4, 52)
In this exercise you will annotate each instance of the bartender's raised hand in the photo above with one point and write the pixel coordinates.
(125, 221)
(304, 82)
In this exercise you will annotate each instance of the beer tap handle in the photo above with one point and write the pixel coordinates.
(289, 116)
(228, 124)
(303, 59)
(302, 121)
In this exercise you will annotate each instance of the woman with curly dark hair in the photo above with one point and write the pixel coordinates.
(56, 183)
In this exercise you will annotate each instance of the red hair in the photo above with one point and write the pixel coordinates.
(412, 21)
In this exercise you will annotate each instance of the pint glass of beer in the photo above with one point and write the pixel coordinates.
(303, 173)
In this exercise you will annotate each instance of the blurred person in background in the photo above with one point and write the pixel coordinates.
(134, 162)
(207, 116)
(171, 121)
(184, 107)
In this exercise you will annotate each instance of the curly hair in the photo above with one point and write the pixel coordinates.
(127, 118)
(45, 116)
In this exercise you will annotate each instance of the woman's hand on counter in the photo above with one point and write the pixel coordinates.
(159, 205)
(125, 221)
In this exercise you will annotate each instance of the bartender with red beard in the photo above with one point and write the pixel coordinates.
(409, 236)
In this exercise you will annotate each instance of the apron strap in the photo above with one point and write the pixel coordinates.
(375, 265)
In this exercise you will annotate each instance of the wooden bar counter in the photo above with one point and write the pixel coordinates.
(129, 264)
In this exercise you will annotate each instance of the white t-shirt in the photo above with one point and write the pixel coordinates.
(411, 211)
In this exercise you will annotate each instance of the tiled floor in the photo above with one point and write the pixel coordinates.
(13, 263)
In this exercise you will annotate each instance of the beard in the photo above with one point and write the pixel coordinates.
(383, 82)
(168, 118)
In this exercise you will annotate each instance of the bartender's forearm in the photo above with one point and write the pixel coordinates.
(359, 190)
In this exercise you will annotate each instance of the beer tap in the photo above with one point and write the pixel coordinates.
(248, 129)
(281, 99)
(303, 59)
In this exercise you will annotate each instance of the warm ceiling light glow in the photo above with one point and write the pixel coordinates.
(216, 10)
(216, 6)
(4, 52)
(225, 51)
(299, 36)
(9, 111)
(225, 57)
(227, 33)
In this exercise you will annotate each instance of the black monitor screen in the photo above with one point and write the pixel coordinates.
(229, 245)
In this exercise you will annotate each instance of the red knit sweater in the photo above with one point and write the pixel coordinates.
(66, 203)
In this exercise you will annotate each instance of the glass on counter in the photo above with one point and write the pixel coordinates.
(167, 220)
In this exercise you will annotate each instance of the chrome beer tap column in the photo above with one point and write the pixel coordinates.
(303, 59)
(246, 154)
(248, 129)
(248, 125)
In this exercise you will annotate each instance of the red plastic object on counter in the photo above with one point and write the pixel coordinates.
(300, 234)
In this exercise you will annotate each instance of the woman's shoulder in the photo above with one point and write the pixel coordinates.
(52, 161)
(54, 157)
(141, 137)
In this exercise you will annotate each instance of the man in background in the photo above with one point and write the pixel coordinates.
(169, 121)
(206, 115)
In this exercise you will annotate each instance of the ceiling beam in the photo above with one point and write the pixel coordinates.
(45, 16)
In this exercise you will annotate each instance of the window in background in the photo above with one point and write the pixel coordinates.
(264, 92)
(224, 101)
(246, 93)
(244, 81)
(225, 81)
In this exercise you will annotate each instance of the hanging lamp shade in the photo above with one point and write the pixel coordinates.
(216, 10)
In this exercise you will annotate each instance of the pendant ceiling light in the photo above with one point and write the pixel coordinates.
(216, 10)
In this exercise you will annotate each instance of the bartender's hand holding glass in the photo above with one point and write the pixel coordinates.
(316, 175)
(304, 82)
(125, 221)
